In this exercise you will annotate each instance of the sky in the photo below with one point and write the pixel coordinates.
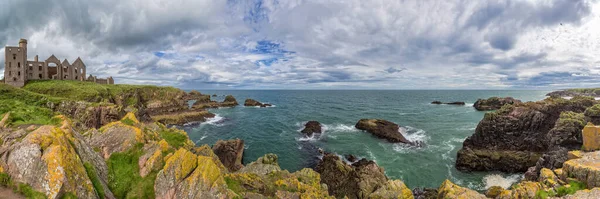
(317, 44)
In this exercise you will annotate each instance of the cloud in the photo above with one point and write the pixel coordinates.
(256, 44)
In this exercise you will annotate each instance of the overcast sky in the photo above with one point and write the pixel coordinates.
(317, 44)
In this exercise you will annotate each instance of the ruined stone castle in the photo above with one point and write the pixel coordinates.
(18, 70)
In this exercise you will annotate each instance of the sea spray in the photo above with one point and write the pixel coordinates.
(499, 180)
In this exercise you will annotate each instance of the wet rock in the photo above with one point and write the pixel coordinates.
(311, 127)
(448, 103)
(351, 158)
(551, 160)
(382, 129)
(450, 190)
(252, 102)
(425, 193)
(230, 153)
(494, 103)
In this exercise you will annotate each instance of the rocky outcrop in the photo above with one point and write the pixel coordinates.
(117, 136)
(452, 191)
(425, 193)
(362, 179)
(584, 194)
(524, 189)
(382, 129)
(252, 102)
(229, 101)
(494, 103)
(449, 103)
(512, 138)
(51, 160)
(183, 117)
(206, 102)
(585, 169)
(591, 137)
(230, 153)
(589, 92)
(89, 115)
(263, 165)
(311, 127)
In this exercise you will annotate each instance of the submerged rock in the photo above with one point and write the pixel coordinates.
(449, 103)
(311, 127)
(382, 129)
(494, 103)
(230, 152)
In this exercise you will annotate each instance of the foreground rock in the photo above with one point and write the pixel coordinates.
(494, 103)
(311, 127)
(382, 129)
(513, 138)
(230, 153)
(585, 169)
(252, 102)
(363, 179)
(450, 190)
(449, 103)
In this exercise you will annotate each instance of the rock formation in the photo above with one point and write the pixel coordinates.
(252, 102)
(494, 103)
(382, 129)
(513, 138)
(230, 153)
(449, 103)
(450, 190)
(311, 127)
(363, 179)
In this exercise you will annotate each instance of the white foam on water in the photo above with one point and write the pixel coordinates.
(202, 138)
(469, 104)
(339, 128)
(309, 139)
(499, 180)
(216, 121)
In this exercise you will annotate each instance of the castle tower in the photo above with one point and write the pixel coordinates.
(15, 66)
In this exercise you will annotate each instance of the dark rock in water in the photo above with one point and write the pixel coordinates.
(436, 102)
(252, 102)
(449, 103)
(351, 158)
(382, 129)
(214, 95)
(311, 127)
(229, 101)
(456, 103)
(494, 103)
(354, 181)
(513, 138)
(230, 152)
(425, 193)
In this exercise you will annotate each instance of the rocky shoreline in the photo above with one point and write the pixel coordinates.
(123, 147)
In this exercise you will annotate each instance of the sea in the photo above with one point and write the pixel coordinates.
(442, 128)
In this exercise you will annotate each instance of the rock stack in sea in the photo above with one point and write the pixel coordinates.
(252, 102)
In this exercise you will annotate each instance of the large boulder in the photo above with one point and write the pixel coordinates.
(311, 127)
(591, 137)
(382, 129)
(494, 103)
(230, 152)
(585, 169)
(263, 165)
(52, 160)
(450, 190)
(117, 136)
(513, 138)
(359, 180)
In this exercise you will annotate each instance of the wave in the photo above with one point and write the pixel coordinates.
(469, 104)
(499, 180)
(339, 128)
(216, 121)
(308, 138)
(203, 137)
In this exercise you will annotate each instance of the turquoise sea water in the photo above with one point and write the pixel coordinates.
(442, 127)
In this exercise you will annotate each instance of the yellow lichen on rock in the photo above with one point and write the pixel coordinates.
(591, 137)
(585, 169)
(131, 116)
(450, 190)
(549, 179)
(164, 146)
(182, 163)
(574, 155)
(393, 189)
(524, 189)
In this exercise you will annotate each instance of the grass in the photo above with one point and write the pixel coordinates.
(128, 121)
(91, 172)
(124, 179)
(26, 107)
(20, 188)
(572, 187)
(175, 139)
(92, 92)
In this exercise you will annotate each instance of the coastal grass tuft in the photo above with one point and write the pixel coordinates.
(174, 138)
(124, 179)
(91, 172)
(561, 191)
(128, 121)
